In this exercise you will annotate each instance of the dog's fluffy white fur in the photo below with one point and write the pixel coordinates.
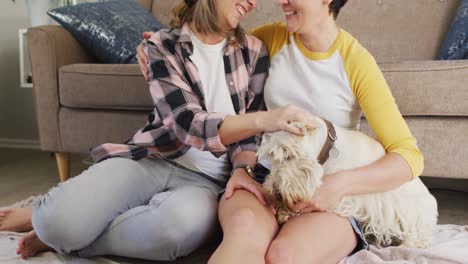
(406, 215)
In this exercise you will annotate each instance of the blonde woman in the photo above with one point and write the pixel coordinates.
(155, 197)
(335, 78)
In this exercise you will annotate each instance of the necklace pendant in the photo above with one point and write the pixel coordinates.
(334, 153)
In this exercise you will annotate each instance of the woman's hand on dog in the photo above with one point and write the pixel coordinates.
(282, 119)
(325, 197)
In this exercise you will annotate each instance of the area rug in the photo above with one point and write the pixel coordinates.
(450, 247)
(9, 242)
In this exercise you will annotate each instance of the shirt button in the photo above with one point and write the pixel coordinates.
(231, 83)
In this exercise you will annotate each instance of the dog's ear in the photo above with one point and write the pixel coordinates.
(279, 152)
(314, 171)
(264, 152)
(282, 152)
(296, 181)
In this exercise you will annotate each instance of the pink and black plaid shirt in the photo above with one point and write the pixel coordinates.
(179, 120)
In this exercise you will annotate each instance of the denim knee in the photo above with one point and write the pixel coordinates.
(185, 237)
(57, 230)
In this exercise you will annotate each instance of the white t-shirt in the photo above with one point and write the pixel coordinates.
(209, 61)
(340, 85)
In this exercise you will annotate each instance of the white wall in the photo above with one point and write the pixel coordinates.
(17, 117)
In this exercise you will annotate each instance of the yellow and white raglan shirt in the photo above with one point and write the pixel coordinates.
(338, 85)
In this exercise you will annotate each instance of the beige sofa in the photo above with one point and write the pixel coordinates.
(81, 103)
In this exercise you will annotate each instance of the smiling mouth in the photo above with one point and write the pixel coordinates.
(290, 13)
(242, 11)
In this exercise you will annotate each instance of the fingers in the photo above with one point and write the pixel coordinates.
(270, 204)
(143, 69)
(142, 61)
(299, 206)
(250, 187)
(229, 191)
(291, 113)
(308, 209)
(311, 122)
(272, 209)
(255, 191)
(293, 130)
(147, 34)
(305, 207)
(141, 54)
(306, 117)
(5, 212)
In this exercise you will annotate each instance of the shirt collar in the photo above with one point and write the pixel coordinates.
(184, 37)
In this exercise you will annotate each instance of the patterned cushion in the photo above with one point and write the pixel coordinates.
(456, 42)
(110, 31)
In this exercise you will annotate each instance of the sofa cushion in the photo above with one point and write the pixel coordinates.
(104, 86)
(429, 88)
(110, 31)
(442, 141)
(421, 88)
(456, 41)
(106, 126)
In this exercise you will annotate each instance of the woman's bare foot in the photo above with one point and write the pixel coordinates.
(30, 245)
(16, 219)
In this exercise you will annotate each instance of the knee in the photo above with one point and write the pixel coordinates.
(244, 229)
(55, 229)
(181, 238)
(279, 253)
(241, 221)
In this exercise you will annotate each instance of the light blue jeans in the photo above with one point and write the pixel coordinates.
(148, 209)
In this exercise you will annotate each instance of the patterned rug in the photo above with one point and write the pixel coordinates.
(450, 247)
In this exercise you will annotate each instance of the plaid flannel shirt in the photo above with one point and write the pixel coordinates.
(179, 120)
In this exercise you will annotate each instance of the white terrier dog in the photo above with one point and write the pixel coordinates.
(406, 215)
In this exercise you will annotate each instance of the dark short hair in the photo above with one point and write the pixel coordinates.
(335, 7)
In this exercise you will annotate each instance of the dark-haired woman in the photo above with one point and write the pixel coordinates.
(320, 67)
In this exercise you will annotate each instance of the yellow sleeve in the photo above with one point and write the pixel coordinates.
(378, 105)
(275, 36)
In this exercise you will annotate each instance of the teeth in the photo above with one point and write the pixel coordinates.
(288, 13)
(241, 10)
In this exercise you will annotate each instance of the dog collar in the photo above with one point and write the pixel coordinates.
(329, 143)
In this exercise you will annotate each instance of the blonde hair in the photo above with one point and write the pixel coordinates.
(203, 14)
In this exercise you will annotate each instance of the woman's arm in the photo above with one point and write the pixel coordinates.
(239, 127)
(403, 161)
(386, 174)
(229, 128)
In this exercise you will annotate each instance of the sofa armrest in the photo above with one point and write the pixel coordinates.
(51, 47)
(429, 88)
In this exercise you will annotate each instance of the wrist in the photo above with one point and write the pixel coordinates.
(238, 173)
(258, 121)
(341, 181)
(245, 168)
